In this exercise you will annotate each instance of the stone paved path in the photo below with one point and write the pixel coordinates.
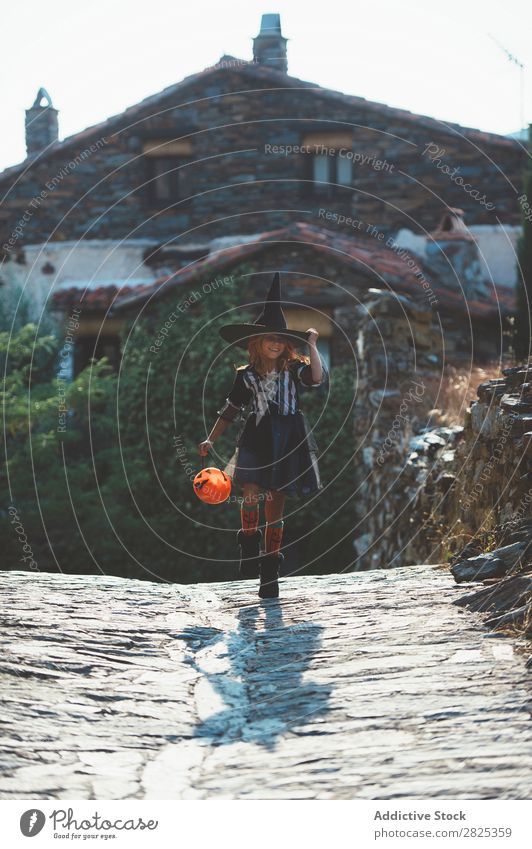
(369, 686)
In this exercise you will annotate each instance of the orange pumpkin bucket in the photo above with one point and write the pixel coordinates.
(212, 486)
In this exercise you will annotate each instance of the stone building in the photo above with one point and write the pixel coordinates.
(243, 159)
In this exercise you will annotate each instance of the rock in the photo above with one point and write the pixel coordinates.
(520, 616)
(517, 375)
(521, 424)
(491, 389)
(509, 601)
(494, 564)
(503, 596)
(478, 569)
(527, 444)
(516, 405)
(445, 481)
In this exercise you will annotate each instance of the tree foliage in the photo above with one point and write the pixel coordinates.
(111, 491)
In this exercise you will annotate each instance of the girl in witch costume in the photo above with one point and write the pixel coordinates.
(276, 451)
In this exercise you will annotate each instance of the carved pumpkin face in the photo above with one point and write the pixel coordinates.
(212, 486)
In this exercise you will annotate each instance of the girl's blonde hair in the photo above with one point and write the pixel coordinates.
(261, 364)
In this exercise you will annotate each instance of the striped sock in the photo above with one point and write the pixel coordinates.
(274, 536)
(249, 515)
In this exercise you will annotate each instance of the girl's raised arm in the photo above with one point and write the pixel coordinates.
(315, 361)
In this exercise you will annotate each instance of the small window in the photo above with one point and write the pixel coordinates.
(330, 162)
(163, 179)
(320, 169)
(330, 171)
(344, 171)
(164, 172)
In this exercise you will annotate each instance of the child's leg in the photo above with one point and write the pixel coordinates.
(273, 508)
(249, 510)
(270, 563)
(249, 537)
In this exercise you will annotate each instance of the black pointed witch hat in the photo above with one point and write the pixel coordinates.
(271, 320)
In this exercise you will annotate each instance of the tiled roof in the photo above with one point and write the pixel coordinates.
(254, 72)
(364, 255)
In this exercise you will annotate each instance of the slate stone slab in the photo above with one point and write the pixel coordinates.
(368, 685)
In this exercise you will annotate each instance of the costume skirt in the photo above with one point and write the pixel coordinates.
(280, 453)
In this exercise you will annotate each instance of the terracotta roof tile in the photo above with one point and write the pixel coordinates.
(369, 260)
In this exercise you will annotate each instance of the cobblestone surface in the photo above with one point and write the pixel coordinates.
(370, 685)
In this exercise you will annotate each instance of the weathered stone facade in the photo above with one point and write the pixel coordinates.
(229, 132)
(237, 152)
(426, 491)
(398, 354)
(458, 494)
(469, 495)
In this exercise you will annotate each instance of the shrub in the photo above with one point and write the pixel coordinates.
(111, 491)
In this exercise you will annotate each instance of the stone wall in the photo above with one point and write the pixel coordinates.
(427, 482)
(493, 499)
(232, 182)
(399, 354)
(482, 484)
(459, 494)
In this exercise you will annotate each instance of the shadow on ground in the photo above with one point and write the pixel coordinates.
(259, 674)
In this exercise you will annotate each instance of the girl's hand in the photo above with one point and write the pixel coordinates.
(204, 447)
(313, 336)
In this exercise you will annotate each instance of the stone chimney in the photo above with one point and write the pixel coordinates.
(452, 253)
(269, 47)
(41, 123)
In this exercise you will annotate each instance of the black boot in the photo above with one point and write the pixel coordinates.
(249, 554)
(269, 574)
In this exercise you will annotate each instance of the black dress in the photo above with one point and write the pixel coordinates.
(275, 447)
